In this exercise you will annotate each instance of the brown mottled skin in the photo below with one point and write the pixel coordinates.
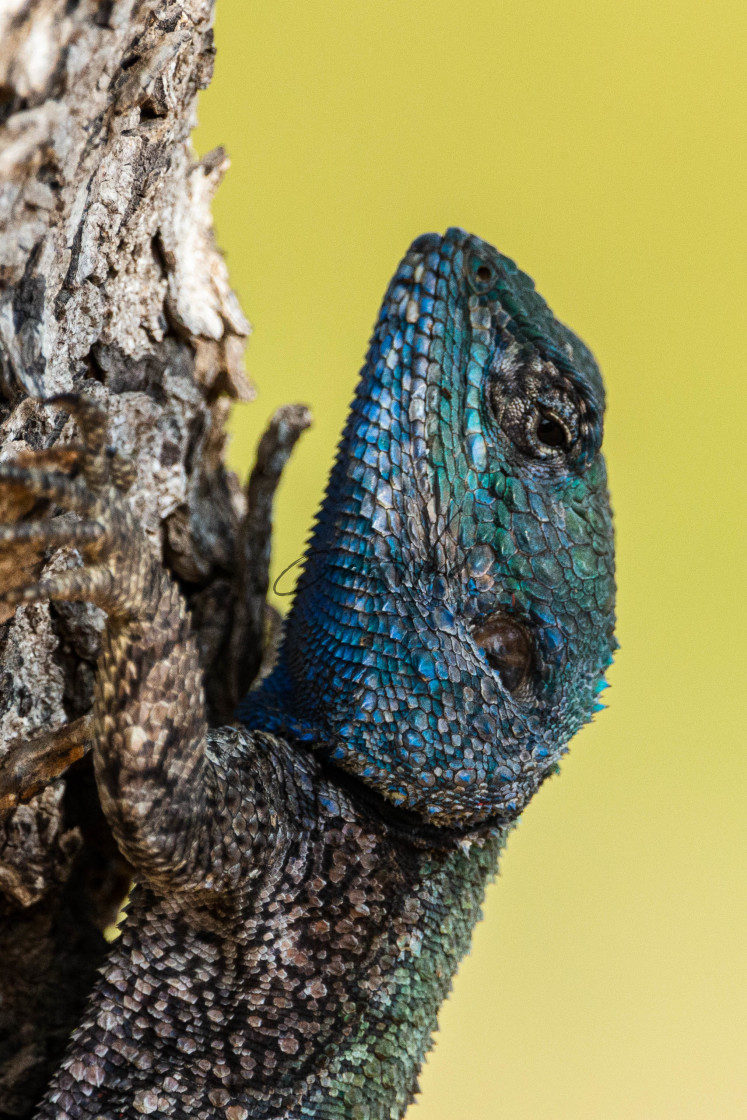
(264, 980)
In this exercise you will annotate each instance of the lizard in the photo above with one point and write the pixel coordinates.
(308, 878)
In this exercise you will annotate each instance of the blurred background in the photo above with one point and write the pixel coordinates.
(601, 146)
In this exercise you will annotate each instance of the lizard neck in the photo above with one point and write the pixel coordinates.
(388, 1044)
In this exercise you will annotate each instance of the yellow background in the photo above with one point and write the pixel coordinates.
(600, 145)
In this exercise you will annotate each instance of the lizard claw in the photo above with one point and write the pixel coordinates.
(100, 465)
(91, 420)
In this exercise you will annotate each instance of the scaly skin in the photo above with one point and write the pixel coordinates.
(308, 883)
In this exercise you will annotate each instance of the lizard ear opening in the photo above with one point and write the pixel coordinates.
(507, 648)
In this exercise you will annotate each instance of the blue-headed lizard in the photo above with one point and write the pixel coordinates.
(308, 881)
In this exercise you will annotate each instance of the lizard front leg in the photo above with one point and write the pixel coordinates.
(161, 794)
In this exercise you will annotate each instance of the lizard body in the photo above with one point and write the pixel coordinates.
(307, 883)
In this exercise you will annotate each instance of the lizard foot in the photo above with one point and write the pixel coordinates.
(106, 535)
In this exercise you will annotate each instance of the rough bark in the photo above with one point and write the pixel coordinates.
(110, 285)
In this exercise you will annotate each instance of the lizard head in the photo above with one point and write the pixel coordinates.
(454, 619)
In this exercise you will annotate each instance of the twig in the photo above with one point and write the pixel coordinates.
(254, 544)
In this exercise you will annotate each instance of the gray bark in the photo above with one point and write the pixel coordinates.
(110, 285)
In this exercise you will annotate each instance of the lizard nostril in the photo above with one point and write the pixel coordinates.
(483, 274)
(507, 647)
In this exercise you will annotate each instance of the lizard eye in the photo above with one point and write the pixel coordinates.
(552, 432)
(507, 648)
(545, 421)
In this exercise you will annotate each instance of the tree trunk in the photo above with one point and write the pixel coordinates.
(110, 286)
